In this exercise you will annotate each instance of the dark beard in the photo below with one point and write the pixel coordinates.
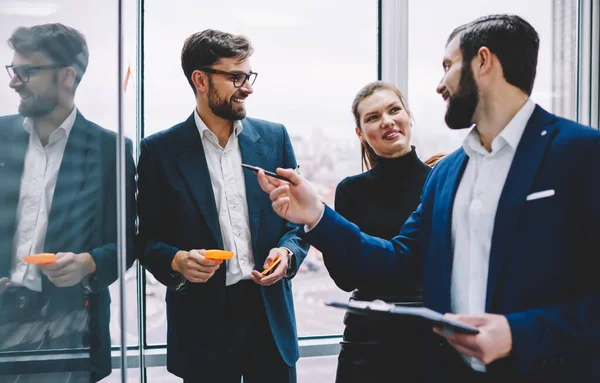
(222, 107)
(461, 106)
(36, 105)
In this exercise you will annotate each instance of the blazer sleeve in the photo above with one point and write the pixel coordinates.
(153, 254)
(291, 239)
(555, 330)
(106, 257)
(344, 206)
(368, 258)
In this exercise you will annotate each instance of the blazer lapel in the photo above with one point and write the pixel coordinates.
(442, 230)
(537, 136)
(252, 154)
(77, 159)
(13, 147)
(194, 169)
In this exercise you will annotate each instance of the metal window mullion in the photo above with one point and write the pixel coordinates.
(595, 65)
(394, 43)
(584, 70)
(121, 193)
(140, 272)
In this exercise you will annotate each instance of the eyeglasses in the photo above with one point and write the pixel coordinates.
(239, 78)
(24, 72)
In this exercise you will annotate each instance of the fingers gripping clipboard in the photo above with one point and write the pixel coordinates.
(383, 309)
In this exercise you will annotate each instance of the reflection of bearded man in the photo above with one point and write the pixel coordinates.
(38, 105)
(222, 107)
(461, 106)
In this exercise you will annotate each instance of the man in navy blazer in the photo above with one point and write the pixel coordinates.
(225, 319)
(507, 230)
(58, 195)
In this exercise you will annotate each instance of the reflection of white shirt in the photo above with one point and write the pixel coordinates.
(38, 181)
(474, 212)
(229, 188)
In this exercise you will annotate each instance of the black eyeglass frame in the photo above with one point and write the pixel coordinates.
(13, 70)
(250, 77)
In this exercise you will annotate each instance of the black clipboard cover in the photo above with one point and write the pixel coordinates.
(381, 308)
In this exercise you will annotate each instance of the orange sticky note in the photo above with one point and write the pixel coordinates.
(40, 259)
(272, 265)
(218, 254)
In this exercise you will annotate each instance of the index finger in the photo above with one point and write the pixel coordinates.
(203, 261)
(267, 184)
(61, 261)
(290, 174)
(276, 275)
(476, 320)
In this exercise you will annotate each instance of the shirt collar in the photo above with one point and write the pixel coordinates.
(66, 126)
(237, 125)
(511, 134)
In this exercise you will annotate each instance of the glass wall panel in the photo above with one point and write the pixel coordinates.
(58, 195)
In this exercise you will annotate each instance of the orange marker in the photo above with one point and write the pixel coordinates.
(40, 259)
(218, 254)
(272, 265)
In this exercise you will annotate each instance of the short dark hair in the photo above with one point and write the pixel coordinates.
(64, 45)
(206, 48)
(513, 40)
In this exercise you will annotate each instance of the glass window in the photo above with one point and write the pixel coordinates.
(555, 82)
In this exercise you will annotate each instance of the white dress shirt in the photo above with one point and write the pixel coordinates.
(474, 212)
(229, 188)
(38, 181)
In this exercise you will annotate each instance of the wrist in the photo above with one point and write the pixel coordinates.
(175, 261)
(317, 216)
(87, 262)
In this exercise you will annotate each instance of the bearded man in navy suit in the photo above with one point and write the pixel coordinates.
(506, 235)
(225, 319)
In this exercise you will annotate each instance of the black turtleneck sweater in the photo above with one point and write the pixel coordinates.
(379, 201)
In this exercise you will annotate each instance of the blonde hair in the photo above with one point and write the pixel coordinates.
(433, 160)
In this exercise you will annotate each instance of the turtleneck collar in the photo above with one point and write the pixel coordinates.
(398, 165)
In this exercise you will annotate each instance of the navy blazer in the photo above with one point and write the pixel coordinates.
(542, 273)
(82, 218)
(177, 210)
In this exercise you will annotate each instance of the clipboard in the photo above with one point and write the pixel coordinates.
(381, 308)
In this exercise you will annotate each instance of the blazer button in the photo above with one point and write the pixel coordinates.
(561, 360)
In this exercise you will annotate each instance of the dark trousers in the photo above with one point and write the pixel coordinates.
(248, 347)
(28, 323)
(380, 350)
(374, 362)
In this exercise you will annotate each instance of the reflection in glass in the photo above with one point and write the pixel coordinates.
(57, 198)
